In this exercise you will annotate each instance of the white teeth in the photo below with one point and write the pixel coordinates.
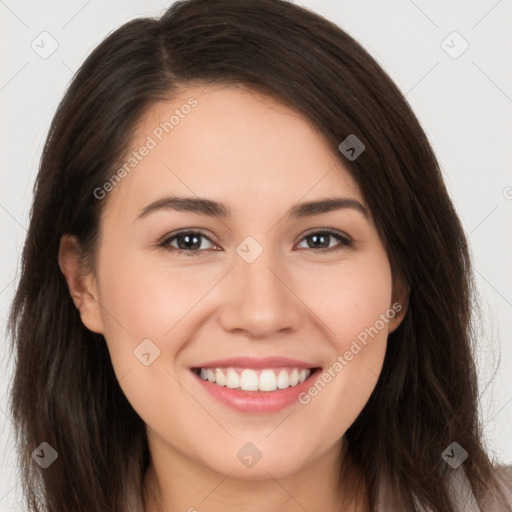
(220, 378)
(268, 381)
(283, 379)
(294, 377)
(255, 380)
(249, 380)
(233, 379)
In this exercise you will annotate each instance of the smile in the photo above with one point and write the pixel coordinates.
(255, 385)
(248, 379)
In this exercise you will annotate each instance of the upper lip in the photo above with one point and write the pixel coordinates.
(256, 363)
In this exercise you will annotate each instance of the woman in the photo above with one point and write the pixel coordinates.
(244, 285)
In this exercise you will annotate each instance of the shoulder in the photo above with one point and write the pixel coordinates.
(503, 477)
(506, 473)
(462, 495)
(464, 499)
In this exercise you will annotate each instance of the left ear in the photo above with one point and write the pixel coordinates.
(399, 303)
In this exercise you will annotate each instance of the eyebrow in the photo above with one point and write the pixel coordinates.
(214, 208)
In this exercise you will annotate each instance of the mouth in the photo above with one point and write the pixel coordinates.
(255, 386)
(264, 380)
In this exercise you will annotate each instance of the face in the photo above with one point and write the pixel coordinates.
(215, 315)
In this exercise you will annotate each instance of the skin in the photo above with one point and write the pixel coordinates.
(258, 157)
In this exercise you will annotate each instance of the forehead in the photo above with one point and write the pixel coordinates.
(233, 145)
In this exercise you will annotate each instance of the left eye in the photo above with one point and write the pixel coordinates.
(320, 237)
(190, 242)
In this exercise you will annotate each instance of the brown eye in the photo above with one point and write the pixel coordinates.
(321, 241)
(190, 242)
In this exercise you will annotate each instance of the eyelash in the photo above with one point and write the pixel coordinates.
(345, 241)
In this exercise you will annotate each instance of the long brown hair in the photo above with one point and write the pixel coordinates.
(64, 389)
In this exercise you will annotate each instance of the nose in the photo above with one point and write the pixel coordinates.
(260, 298)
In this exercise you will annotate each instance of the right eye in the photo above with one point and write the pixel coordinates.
(188, 242)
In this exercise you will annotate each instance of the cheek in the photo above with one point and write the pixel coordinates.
(144, 310)
(349, 299)
(151, 309)
(146, 301)
(354, 305)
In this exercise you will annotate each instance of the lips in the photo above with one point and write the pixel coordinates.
(255, 385)
(257, 363)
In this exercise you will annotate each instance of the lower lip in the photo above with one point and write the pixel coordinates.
(257, 402)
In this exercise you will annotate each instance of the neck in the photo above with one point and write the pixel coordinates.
(182, 484)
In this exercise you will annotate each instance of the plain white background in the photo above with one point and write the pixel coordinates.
(463, 100)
